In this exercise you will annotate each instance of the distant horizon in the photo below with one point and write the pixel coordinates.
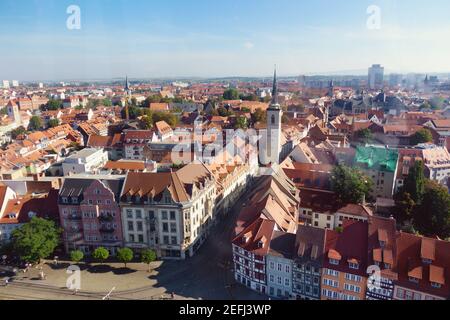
(196, 78)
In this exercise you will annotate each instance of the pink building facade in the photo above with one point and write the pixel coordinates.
(90, 214)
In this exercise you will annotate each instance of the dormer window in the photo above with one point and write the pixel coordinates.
(65, 200)
(334, 262)
(387, 266)
(427, 261)
(354, 266)
(436, 285)
(413, 280)
(382, 244)
(260, 244)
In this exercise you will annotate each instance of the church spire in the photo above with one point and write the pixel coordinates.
(127, 85)
(274, 102)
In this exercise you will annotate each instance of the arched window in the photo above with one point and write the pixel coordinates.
(273, 119)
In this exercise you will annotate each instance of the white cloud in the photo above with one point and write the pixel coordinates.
(249, 45)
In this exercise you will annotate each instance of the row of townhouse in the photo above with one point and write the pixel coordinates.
(366, 260)
(170, 212)
(271, 208)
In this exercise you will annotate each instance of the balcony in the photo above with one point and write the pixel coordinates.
(107, 230)
(106, 218)
(72, 217)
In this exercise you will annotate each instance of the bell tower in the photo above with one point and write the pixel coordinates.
(274, 114)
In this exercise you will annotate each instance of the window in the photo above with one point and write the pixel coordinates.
(279, 280)
(173, 227)
(138, 214)
(166, 239)
(354, 266)
(129, 214)
(287, 282)
(131, 237)
(271, 278)
(90, 202)
(280, 267)
(174, 240)
(151, 214)
(173, 215)
(436, 285)
(108, 202)
(164, 215)
(272, 265)
(414, 280)
(334, 262)
(165, 227)
(139, 226)
(400, 293)
(141, 238)
(130, 226)
(288, 269)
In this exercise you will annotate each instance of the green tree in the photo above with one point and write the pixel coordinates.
(415, 183)
(107, 102)
(35, 240)
(148, 256)
(53, 123)
(364, 135)
(76, 256)
(125, 255)
(17, 132)
(224, 112)
(259, 116)
(170, 118)
(146, 123)
(249, 97)
(405, 206)
(231, 94)
(134, 112)
(35, 123)
(101, 254)
(422, 136)
(432, 217)
(241, 123)
(53, 104)
(350, 184)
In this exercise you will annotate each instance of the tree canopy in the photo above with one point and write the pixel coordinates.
(432, 216)
(422, 136)
(148, 256)
(364, 135)
(35, 123)
(415, 182)
(231, 94)
(125, 255)
(53, 104)
(53, 123)
(36, 239)
(350, 184)
(76, 256)
(101, 254)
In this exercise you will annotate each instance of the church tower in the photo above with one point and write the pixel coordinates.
(127, 99)
(274, 114)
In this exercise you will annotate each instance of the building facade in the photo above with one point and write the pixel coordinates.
(90, 215)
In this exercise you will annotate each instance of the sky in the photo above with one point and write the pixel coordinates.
(209, 38)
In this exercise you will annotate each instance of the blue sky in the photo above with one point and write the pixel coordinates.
(171, 38)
